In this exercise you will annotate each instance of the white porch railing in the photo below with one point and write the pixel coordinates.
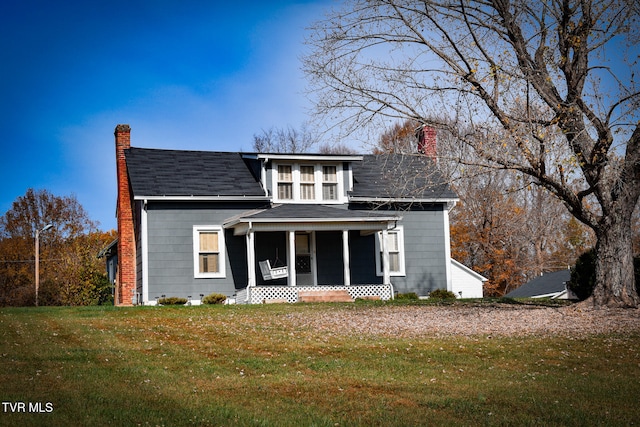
(258, 294)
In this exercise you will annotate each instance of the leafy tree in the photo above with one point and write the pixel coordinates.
(70, 273)
(400, 138)
(486, 231)
(530, 84)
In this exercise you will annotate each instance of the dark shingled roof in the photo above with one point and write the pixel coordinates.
(155, 172)
(399, 176)
(548, 283)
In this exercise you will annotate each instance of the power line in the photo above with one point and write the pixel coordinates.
(28, 260)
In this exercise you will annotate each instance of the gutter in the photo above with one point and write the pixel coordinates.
(203, 198)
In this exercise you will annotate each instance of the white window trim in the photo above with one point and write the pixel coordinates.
(295, 172)
(197, 229)
(399, 230)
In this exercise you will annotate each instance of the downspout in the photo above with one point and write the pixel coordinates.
(251, 261)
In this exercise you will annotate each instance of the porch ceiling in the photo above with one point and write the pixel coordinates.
(292, 217)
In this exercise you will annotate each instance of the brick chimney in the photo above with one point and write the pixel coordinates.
(427, 143)
(126, 284)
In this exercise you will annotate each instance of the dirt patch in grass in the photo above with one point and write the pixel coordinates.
(494, 320)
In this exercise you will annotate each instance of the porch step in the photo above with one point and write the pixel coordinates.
(275, 301)
(324, 296)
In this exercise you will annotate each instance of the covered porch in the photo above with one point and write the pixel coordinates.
(311, 247)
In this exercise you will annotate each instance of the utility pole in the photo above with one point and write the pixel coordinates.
(45, 228)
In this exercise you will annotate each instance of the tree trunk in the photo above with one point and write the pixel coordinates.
(615, 281)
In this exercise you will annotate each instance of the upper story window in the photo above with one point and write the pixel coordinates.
(285, 182)
(329, 183)
(308, 183)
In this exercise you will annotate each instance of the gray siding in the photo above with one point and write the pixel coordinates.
(424, 251)
(170, 249)
(424, 244)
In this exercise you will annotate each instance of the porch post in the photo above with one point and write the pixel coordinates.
(291, 251)
(314, 258)
(345, 257)
(386, 275)
(251, 259)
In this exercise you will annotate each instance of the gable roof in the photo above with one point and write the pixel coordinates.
(549, 284)
(154, 172)
(399, 176)
(158, 173)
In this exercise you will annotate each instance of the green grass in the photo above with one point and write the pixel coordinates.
(250, 365)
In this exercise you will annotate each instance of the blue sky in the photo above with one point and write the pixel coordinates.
(184, 74)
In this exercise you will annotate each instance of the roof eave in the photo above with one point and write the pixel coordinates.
(204, 198)
(403, 199)
(309, 220)
(314, 157)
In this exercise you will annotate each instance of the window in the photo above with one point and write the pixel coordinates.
(395, 246)
(208, 248)
(329, 183)
(307, 183)
(285, 182)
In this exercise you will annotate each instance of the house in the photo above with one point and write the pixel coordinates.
(465, 283)
(110, 254)
(266, 226)
(548, 285)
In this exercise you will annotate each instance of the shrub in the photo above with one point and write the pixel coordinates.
(442, 294)
(583, 275)
(407, 296)
(214, 299)
(172, 301)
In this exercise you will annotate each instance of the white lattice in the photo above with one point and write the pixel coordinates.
(258, 294)
(385, 292)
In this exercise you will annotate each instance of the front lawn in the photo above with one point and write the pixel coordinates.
(256, 365)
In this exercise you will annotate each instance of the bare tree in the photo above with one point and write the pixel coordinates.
(546, 89)
(289, 140)
(340, 148)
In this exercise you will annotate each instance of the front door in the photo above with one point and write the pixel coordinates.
(304, 271)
